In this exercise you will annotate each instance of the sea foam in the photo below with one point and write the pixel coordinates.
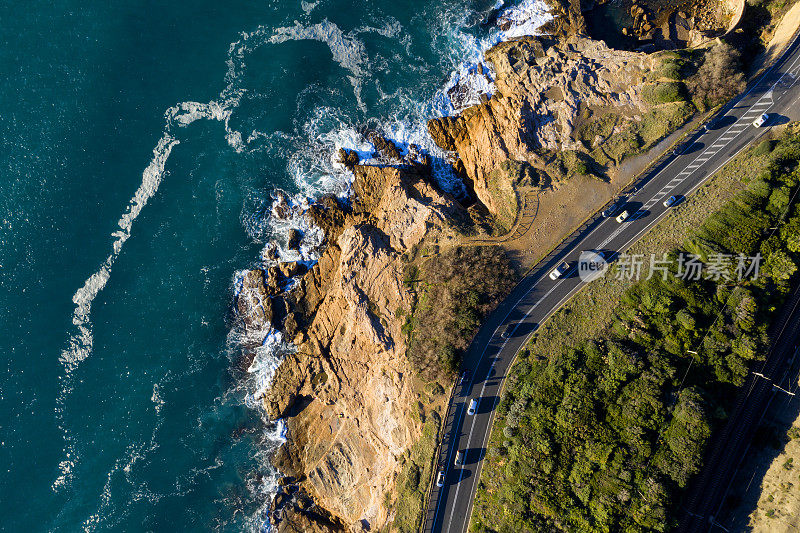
(315, 171)
(80, 343)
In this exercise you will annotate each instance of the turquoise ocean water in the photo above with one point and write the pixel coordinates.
(140, 146)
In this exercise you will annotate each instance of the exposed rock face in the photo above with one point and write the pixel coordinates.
(254, 302)
(347, 391)
(294, 239)
(385, 148)
(541, 88)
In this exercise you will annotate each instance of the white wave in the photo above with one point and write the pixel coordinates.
(391, 28)
(79, 345)
(267, 485)
(525, 18)
(346, 49)
(265, 363)
(314, 166)
(308, 7)
(472, 77)
(156, 398)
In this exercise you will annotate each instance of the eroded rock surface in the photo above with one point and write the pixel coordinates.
(542, 85)
(347, 392)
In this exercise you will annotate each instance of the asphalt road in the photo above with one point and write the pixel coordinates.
(537, 297)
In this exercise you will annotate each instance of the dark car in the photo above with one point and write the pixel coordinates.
(465, 375)
(611, 211)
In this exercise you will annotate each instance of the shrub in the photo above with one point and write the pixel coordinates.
(458, 288)
(663, 93)
(606, 435)
(720, 77)
(763, 148)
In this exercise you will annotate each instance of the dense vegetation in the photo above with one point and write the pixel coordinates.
(605, 436)
(719, 76)
(454, 291)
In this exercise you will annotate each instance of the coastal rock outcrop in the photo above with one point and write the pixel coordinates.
(347, 391)
(542, 86)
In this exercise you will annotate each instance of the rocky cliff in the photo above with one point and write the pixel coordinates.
(543, 86)
(348, 391)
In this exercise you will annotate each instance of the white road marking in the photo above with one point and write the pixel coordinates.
(483, 388)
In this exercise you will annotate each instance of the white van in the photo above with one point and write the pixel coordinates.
(760, 121)
(559, 271)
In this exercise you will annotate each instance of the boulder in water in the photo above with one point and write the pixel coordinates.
(293, 242)
(349, 158)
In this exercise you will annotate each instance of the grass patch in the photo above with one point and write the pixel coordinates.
(414, 479)
(664, 92)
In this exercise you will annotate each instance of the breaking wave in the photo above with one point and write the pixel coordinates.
(312, 166)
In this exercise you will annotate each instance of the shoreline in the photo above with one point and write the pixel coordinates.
(398, 214)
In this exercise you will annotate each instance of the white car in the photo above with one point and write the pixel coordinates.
(473, 406)
(440, 479)
(760, 121)
(669, 202)
(623, 217)
(559, 271)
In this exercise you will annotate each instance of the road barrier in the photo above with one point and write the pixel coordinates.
(436, 460)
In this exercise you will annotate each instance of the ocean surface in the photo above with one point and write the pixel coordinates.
(141, 146)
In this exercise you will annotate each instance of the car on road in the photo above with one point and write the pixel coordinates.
(760, 121)
(669, 202)
(623, 217)
(559, 271)
(440, 478)
(459, 458)
(473, 406)
(465, 375)
(508, 330)
(612, 210)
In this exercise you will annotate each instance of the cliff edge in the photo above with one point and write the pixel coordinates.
(356, 396)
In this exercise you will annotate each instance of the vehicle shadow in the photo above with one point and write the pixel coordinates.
(474, 455)
(692, 148)
(722, 122)
(525, 329)
(777, 120)
(487, 404)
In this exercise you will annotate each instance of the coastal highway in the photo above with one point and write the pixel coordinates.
(537, 297)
